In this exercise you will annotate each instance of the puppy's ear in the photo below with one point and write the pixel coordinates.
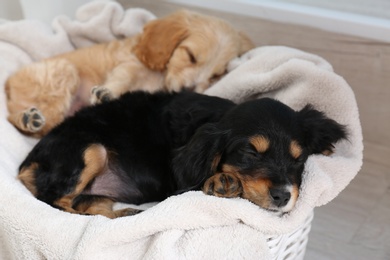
(159, 39)
(320, 132)
(246, 43)
(199, 158)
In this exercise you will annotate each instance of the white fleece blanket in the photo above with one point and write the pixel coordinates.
(192, 225)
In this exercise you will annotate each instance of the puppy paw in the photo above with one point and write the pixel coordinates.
(100, 95)
(223, 185)
(33, 120)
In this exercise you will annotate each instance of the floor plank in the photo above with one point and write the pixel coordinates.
(357, 223)
(375, 231)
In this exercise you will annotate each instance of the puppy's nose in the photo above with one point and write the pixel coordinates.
(280, 196)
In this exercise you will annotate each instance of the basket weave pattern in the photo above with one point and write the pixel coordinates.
(291, 246)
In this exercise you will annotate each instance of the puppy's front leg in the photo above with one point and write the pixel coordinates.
(224, 185)
(126, 77)
(118, 81)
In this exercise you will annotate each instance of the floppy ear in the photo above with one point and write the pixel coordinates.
(198, 159)
(159, 39)
(320, 132)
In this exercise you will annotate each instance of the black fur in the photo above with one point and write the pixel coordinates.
(163, 144)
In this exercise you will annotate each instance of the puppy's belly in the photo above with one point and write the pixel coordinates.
(82, 97)
(111, 185)
(77, 104)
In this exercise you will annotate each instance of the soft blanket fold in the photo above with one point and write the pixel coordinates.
(192, 225)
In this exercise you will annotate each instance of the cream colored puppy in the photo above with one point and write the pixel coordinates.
(183, 50)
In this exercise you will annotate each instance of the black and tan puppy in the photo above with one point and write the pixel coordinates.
(145, 147)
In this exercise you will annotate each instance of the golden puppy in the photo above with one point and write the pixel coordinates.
(182, 50)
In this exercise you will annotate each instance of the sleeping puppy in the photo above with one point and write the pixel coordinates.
(183, 50)
(145, 147)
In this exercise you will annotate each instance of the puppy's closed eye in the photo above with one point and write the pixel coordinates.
(251, 152)
(215, 77)
(191, 55)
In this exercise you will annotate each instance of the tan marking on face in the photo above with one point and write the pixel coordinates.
(254, 189)
(27, 177)
(230, 169)
(295, 149)
(257, 191)
(261, 143)
(95, 160)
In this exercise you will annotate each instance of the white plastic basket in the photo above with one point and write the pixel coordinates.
(291, 246)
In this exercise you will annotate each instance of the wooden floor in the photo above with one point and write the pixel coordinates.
(356, 225)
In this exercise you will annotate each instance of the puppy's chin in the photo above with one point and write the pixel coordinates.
(279, 211)
(276, 213)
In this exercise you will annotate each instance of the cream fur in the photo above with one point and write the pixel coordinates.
(60, 85)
